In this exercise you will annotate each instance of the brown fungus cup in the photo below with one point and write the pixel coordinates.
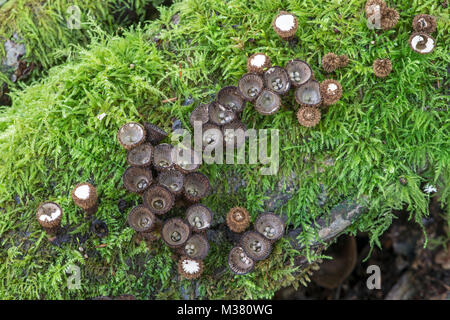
(190, 268)
(374, 6)
(234, 133)
(211, 136)
(140, 156)
(330, 62)
(141, 219)
(163, 156)
(49, 215)
(258, 63)
(250, 86)
(220, 115)
(389, 18)
(85, 196)
(267, 103)
(154, 133)
(239, 262)
(255, 245)
(285, 25)
(187, 160)
(382, 67)
(331, 91)
(230, 98)
(422, 43)
(136, 179)
(270, 226)
(175, 232)
(424, 23)
(238, 219)
(196, 186)
(159, 199)
(200, 114)
(199, 217)
(277, 80)
(130, 135)
(308, 116)
(308, 95)
(299, 72)
(196, 247)
(172, 180)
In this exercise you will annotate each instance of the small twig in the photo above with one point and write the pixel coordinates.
(170, 100)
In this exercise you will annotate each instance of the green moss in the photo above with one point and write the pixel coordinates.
(50, 139)
(44, 26)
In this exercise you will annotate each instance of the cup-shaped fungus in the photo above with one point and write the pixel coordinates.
(277, 80)
(49, 216)
(131, 135)
(250, 86)
(85, 196)
(199, 217)
(196, 186)
(187, 160)
(299, 72)
(163, 155)
(255, 245)
(373, 6)
(343, 61)
(270, 226)
(212, 135)
(424, 23)
(382, 67)
(268, 102)
(230, 98)
(99, 228)
(258, 62)
(154, 133)
(175, 232)
(141, 156)
(200, 114)
(389, 18)
(196, 247)
(331, 62)
(136, 179)
(220, 115)
(239, 262)
(308, 95)
(422, 43)
(238, 219)
(159, 199)
(234, 133)
(308, 116)
(331, 91)
(141, 219)
(190, 268)
(285, 25)
(172, 180)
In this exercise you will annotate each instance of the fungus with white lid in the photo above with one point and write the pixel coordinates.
(258, 62)
(285, 25)
(190, 268)
(85, 196)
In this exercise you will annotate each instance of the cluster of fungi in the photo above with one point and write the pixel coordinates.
(263, 85)
(388, 17)
(162, 179)
(421, 40)
(254, 245)
(156, 173)
(84, 195)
